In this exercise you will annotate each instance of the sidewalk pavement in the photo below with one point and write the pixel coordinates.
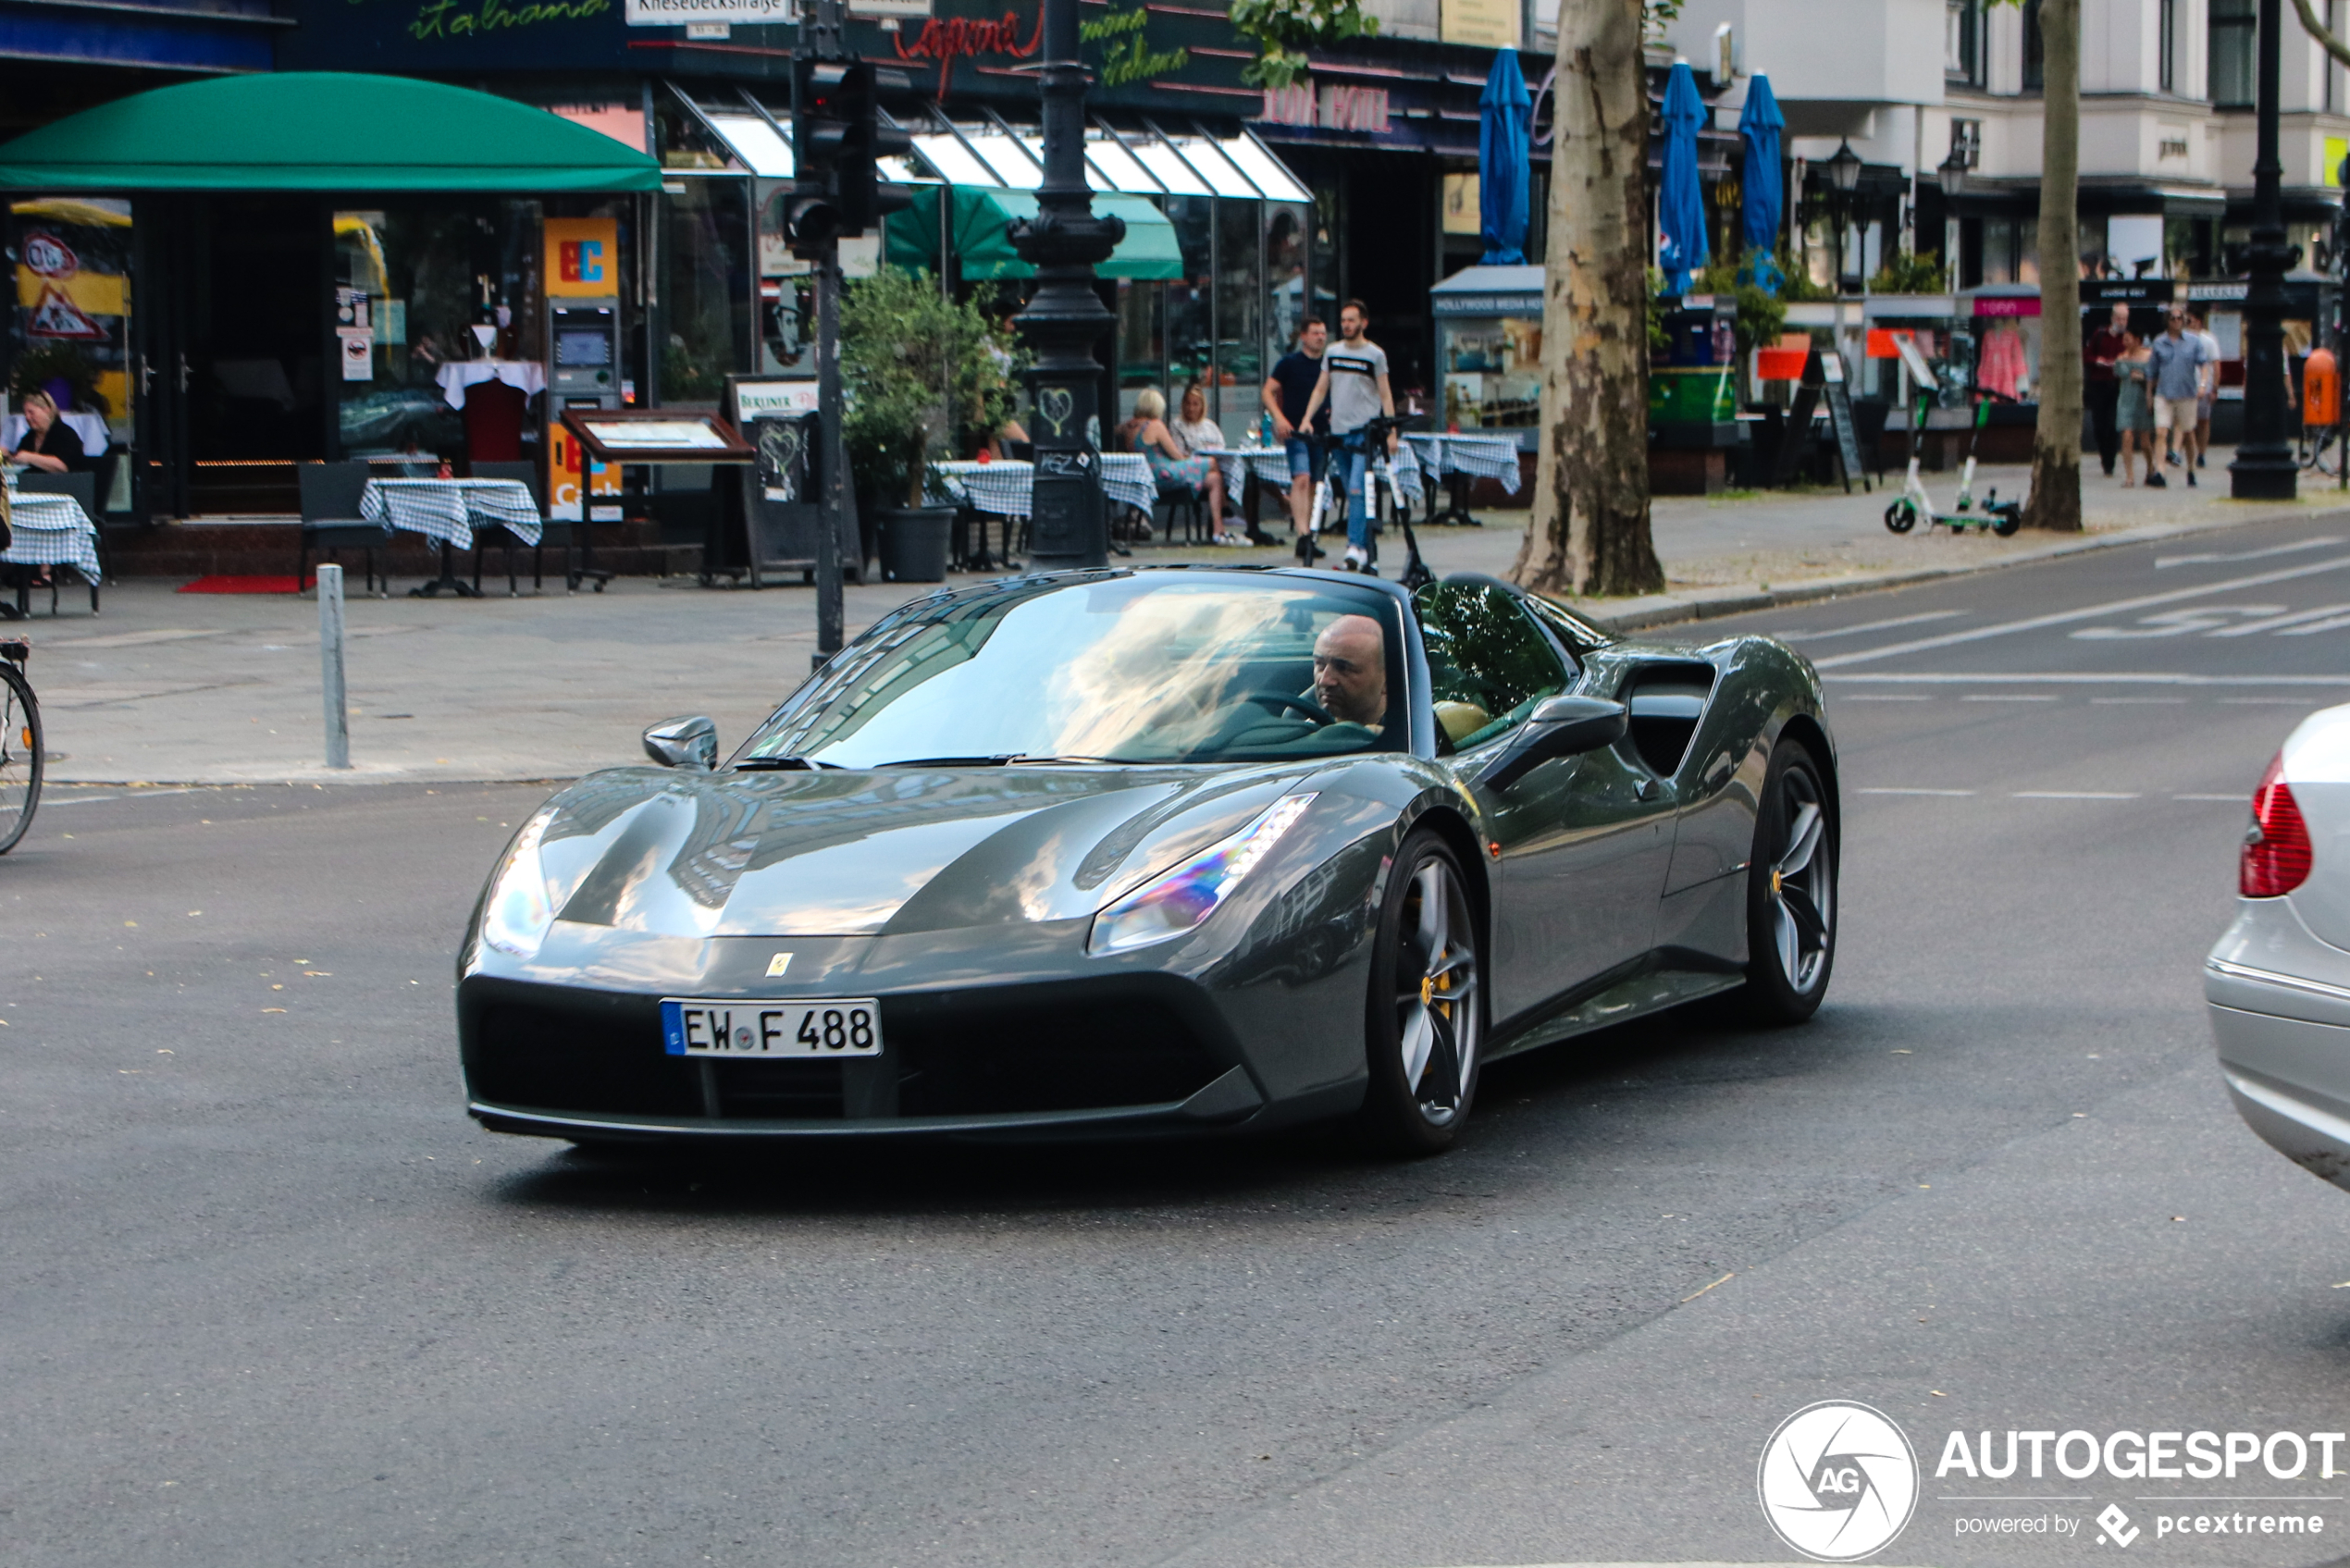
(177, 688)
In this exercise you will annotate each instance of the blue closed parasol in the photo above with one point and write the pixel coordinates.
(1504, 160)
(1759, 212)
(1681, 204)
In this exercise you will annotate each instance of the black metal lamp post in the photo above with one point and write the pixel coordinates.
(2264, 468)
(1844, 175)
(1069, 521)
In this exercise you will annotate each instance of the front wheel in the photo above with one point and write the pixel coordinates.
(21, 756)
(2005, 523)
(1790, 894)
(1425, 1026)
(1901, 516)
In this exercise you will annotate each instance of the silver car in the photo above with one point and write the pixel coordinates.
(2278, 982)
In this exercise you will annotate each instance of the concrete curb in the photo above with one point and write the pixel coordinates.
(1666, 609)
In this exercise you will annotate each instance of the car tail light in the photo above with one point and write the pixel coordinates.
(2276, 852)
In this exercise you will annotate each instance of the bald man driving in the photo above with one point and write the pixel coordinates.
(1350, 671)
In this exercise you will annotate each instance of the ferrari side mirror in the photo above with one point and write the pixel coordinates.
(684, 743)
(1563, 726)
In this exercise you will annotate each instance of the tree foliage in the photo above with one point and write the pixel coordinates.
(916, 368)
(1283, 30)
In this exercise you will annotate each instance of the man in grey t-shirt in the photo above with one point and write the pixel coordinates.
(1353, 383)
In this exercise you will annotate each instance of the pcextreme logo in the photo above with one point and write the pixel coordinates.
(1837, 1481)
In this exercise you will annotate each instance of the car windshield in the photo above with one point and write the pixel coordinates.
(1157, 667)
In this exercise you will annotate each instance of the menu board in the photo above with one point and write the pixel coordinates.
(657, 435)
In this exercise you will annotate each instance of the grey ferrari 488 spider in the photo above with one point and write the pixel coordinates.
(1162, 850)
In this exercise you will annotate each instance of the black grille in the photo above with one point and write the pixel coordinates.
(1005, 1056)
(1054, 1056)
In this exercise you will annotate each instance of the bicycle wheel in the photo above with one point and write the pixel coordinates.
(19, 755)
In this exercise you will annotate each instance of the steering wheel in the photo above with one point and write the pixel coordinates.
(1304, 705)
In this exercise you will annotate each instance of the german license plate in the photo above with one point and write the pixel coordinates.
(771, 1031)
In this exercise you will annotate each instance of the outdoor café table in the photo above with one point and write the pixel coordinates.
(50, 530)
(1455, 460)
(1003, 486)
(448, 511)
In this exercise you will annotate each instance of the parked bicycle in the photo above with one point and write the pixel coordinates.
(20, 752)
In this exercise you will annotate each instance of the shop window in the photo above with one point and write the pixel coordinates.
(70, 332)
(1142, 341)
(1326, 278)
(1191, 326)
(420, 289)
(2166, 50)
(2234, 31)
(1240, 313)
(1285, 254)
(705, 289)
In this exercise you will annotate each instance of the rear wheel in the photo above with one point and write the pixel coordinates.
(1790, 895)
(1424, 1028)
(20, 755)
(1901, 516)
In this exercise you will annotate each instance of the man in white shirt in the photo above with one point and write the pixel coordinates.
(1353, 382)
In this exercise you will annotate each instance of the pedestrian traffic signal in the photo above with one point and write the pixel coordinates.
(839, 130)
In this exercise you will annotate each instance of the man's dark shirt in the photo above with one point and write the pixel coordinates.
(1297, 374)
(2104, 345)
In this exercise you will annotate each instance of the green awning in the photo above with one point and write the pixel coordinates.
(984, 250)
(320, 130)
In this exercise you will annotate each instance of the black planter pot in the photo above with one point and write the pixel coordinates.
(914, 541)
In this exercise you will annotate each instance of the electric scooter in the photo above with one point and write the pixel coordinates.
(1914, 505)
(1330, 506)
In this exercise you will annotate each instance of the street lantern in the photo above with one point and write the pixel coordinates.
(1844, 169)
(1953, 173)
(2264, 468)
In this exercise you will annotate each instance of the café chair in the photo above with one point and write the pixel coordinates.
(330, 519)
(83, 488)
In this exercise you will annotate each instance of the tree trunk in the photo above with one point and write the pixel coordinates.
(2056, 445)
(1589, 531)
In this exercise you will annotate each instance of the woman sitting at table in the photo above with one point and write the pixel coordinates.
(1173, 464)
(49, 443)
(1194, 428)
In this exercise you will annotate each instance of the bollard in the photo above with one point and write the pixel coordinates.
(330, 664)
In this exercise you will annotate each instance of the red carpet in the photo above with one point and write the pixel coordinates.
(218, 584)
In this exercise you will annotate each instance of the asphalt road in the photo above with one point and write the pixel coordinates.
(271, 1298)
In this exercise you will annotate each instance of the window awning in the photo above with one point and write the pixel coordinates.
(320, 130)
(984, 248)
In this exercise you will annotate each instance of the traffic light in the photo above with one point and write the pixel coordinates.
(838, 129)
(810, 218)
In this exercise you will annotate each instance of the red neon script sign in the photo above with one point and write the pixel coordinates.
(947, 38)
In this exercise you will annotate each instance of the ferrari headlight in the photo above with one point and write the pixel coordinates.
(520, 907)
(1174, 903)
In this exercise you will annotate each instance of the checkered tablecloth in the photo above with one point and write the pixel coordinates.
(1269, 465)
(449, 510)
(1488, 457)
(1003, 487)
(51, 530)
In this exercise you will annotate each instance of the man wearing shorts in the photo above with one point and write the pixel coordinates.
(1285, 395)
(2198, 327)
(2176, 371)
(1353, 386)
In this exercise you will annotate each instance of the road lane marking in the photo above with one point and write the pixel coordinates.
(2073, 794)
(1888, 789)
(2231, 799)
(1870, 627)
(2108, 677)
(2206, 618)
(1896, 696)
(2334, 625)
(2264, 701)
(2270, 625)
(2006, 696)
(2213, 558)
(2093, 612)
(2139, 701)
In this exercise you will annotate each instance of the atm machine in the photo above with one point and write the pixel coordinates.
(583, 337)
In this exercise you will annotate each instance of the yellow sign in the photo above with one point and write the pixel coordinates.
(583, 258)
(565, 491)
(1489, 24)
(2337, 149)
(1461, 205)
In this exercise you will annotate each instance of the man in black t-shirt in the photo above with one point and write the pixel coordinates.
(1285, 395)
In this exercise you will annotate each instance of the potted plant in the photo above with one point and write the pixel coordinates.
(916, 368)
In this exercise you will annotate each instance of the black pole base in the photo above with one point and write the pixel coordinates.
(2263, 475)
